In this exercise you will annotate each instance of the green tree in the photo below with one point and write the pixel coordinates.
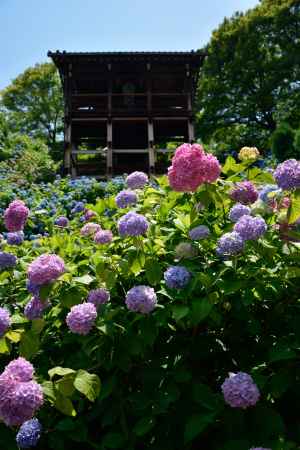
(251, 71)
(34, 103)
(282, 142)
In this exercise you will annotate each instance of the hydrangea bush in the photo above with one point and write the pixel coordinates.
(172, 324)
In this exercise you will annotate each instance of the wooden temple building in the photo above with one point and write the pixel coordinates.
(122, 108)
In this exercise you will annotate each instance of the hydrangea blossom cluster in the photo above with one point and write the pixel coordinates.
(45, 269)
(4, 320)
(287, 174)
(7, 260)
(240, 391)
(141, 299)
(250, 228)
(136, 180)
(62, 221)
(177, 277)
(89, 229)
(185, 250)
(35, 308)
(230, 244)
(79, 207)
(33, 288)
(238, 211)
(98, 297)
(244, 192)
(132, 224)
(199, 232)
(89, 214)
(265, 191)
(15, 216)
(20, 395)
(248, 153)
(29, 433)
(103, 237)
(81, 318)
(15, 238)
(191, 167)
(126, 198)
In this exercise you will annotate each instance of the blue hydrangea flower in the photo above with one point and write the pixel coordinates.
(237, 211)
(132, 224)
(265, 191)
(230, 244)
(287, 174)
(29, 434)
(177, 277)
(15, 238)
(126, 198)
(250, 228)
(7, 260)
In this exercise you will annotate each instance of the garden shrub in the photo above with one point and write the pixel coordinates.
(282, 142)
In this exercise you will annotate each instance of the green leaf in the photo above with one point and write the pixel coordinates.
(14, 336)
(88, 384)
(153, 271)
(38, 325)
(196, 424)
(85, 279)
(4, 346)
(144, 425)
(294, 208)
(200, 310)
(279, 353)
(29, 344)
(48, 390)
(64, 404)
(179, 312)
(45, 291)
(113, 440)
(61, 371)
(66, 385)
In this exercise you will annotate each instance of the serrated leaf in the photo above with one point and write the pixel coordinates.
(64, 404)
(48, 389)
(88, 384)
(65, 385)
(85, 279)
(61, 371)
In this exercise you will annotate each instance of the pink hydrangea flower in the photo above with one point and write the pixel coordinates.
(15, 216)
(103, 237)
(89, 229)
(191, 167)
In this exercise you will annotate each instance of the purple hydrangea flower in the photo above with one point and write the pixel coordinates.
(33, 288)
(141, 299)
(35, 308)
(29, 434)
(20, 369)
(287, 174)
(90, 229)
(126, 198)
(240, 391)
(238, 211)
(62, 221)
(89, 214)
(265, 191)
(81, 318)
(230, 244)
(103, 237)
(132, 224)
(98, 297)
(250, 228)
(15, 238)
(4, 320)
(45, 269)
(244, 192)
(7, 260)
(177, 277)
(136, 180)
(199, 232)
(15, 216)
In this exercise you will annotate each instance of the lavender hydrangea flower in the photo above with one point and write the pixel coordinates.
(90, 229)
(177, 277)
(230, 244)
(199, 232)
(15, 238)
(33, 288)
(240, 391)
(20, 369)
(35, 308)
(89, 214)
(15, 216)
(29, 433)
(287, 174)
(250, 228)
(244, 192)
(136, 180)
(132, 224)
(126, 198)
(81, 318)
(45, 269)
(103, 237)
(98, 297)
(7, 260)
(141, 299)
(238, 211)
(185, 250)
(62, 221)
(4, 320)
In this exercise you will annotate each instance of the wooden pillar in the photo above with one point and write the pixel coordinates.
(73, 162)
(191, 132)
(150, 147)
(67, 155)
(109, 155)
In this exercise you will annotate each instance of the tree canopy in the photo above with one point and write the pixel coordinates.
(250, 79)
(33, 103)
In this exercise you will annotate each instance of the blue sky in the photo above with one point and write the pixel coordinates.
(29, 28)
